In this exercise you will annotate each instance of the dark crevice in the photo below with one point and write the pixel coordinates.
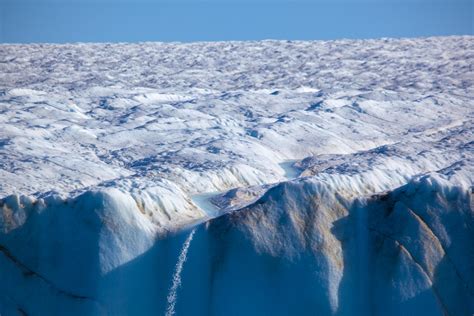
(29, 272)
(399, 244)
(22, 312)
(446, 255)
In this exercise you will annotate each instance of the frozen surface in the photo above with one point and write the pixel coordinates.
(330, 178)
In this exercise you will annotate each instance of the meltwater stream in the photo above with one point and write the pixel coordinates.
(203, 201)
(173, 293)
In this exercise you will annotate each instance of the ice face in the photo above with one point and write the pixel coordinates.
(316, 177)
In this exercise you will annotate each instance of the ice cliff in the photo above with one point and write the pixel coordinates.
(238, 178)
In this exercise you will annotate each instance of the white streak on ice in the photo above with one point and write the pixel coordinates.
(172, 295)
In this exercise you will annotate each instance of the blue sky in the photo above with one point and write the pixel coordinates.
(185, 20)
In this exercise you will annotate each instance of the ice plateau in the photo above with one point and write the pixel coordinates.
(238, 178)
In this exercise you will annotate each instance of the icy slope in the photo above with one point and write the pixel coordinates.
(110, 154)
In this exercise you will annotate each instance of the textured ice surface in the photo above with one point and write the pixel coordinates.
(338, 175)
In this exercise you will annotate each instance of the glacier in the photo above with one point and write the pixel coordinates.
(238, 178)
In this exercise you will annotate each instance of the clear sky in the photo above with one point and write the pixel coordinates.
(213, 20)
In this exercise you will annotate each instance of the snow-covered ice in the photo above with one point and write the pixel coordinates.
(324, 177)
